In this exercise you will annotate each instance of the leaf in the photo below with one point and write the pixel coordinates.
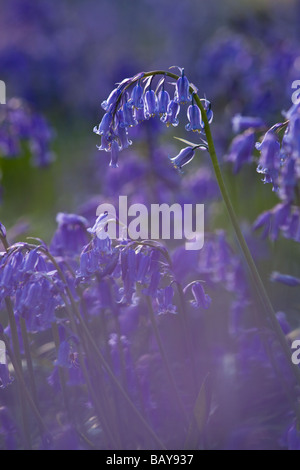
(200, 409)
(199, 418)
(191, 144)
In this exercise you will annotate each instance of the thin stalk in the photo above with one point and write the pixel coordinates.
(28, 360)
(188, 337)
(262, 293)
(23, 387)
(17, 352)
(61, 371)
(165, 360)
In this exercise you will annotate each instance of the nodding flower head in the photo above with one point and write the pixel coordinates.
(134, 100)
(163, 102)
(172, 112)
(114, 154)
(182, 92)
(151, 105)
(195, 119)
(111, 100)
(184, 157)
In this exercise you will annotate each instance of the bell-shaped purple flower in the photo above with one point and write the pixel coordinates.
(195, 119)
(185, 156)
(136, 101)
(122, 134)
(63, 356)
(264, 221)
(105, 126)
(114, 155)
(285, 279)
(151, 105)
(105, 144)
(182, 92)
(111, 100)
(165, 301)
(126, 118)
(270, 159)
(151, 290)
(172, 112)
(163, 102)
(71, 234)
(139, 114)
(241, 150)
(242, 123)
(201, 300)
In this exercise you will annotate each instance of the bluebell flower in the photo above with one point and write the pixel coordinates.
(63, 355)
(208, 110)
(241, 123)
(285, 279)
(19, 123)
(151, 105)
(288, 180)
(293, 225)
(201, 299)
(110, 102)
(281, 215)
(275, 220)
(152, 288)
(71, 234)
(36, 302)
(126, 117)
(241, 150)
(41, 136)
(264, 220)
(105, 126)
(165, 301)
(172, 112)
(98, 257)
(136, 101)
(105, 143)
(139, 114)
(184, 157)
(182, 92)
(30, 260)
(163, 102)
(270, 159)
(143, 266)
(122, 134)
(283, 322)
(291, 138)
(195, 119)
(114, 155)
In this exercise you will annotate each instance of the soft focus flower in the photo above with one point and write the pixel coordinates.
(241, 150)
(184, 157)
(285, 279)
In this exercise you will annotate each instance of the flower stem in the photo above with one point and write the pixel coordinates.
(260, 288)
(165, 360)
(257, 281)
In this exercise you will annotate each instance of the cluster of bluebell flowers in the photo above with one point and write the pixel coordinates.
(135, 100)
